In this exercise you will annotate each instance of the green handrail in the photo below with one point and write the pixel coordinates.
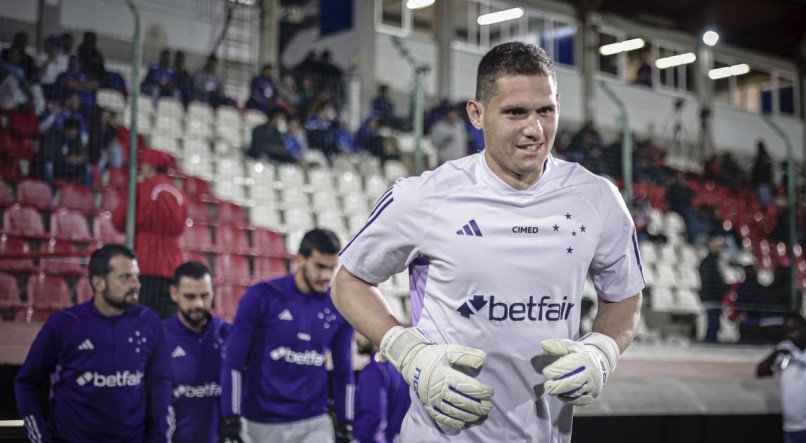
(418, 71)
(131, 202)
(626, 143)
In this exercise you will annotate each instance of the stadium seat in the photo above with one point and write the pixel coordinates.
(14, 245)
(297, 219)
(67, 224)
(267, 268)
(354, 204)
(376, 186)
(199, 211)
(320, 179)
(667, 253)
(265, 216)
(227, 298)
(77, 197)
(63, 264)
(229, 168)
(394, 169)
(83, 290)
(232, 269)
(111, 99)
(356, 222)
(23, 221)
(166, 143)
(314, 158)
(689, 276)
(325, 200)
(648, 254)
(688, 302)
(195, 256)
(331, 220)
(232, 240)
(35, 193)
(226, 189)
(348, 183)
(228, 213)
(290, 176)
(294, 198)
(47, 293)
(268, 243)
(196, 188)
(662, 299)
(119, 178)
(196, 237)
(110, 199)
(11, 306)
(6, 197)
(105, 231)
(261, 173)
(666, 276)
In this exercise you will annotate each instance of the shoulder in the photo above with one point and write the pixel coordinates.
(144, 315)
(220, 326)
(434, 186)
(66, 317)
(596, 190)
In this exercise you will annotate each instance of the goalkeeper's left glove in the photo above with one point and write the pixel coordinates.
(344, 432)
(583, 368)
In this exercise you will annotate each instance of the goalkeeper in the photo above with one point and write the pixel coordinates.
(498, 246)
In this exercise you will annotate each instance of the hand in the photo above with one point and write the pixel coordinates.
(582, 371)
(449, 396)
(344, 432)
(230, 430)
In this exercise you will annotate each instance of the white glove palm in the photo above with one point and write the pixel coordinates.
(582, 371)
(449, 396)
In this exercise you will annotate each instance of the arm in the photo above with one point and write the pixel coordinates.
(342, 374)
(239, 343)
(765, 367)
(161, 420)
(362, 305)
(34, 373)
(371, 404)
(619, 320)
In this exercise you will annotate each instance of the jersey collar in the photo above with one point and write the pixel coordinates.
(496, 183)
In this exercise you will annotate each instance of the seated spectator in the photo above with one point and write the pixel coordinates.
(344, 139)
(307, 68)
(52, 61)
(762, 175)
(161, 79)
(585, 144)
(75, 81)
(369, 139)
(26, 62)
(208, 86)
(268, 143)
(321, 128)
(111, 152)
(263, 93)
(183, 80)
(679, 196)
(295, 138)
(64, 155)
(641, 212)
(90, 58)
(58, 113)
(306, 94)
(331, 78)
(449, 136)
(67, 40)
(13, 91)
(643, 72)
(384, 107)
(732, 175)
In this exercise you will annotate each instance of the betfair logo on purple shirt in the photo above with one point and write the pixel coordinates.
(118, 379)
(530, 310)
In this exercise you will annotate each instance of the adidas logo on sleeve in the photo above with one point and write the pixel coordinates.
(470, 229)
(178, 352)
(86, 345)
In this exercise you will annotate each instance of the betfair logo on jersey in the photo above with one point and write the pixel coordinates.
(211, 389)
(118, 379)
(307, 358)
(530, 310)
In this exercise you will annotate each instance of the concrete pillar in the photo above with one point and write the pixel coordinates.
(269, 50)
(444, 36)
(589, 42)
(705, 97)
(365, 23)
(48, 23)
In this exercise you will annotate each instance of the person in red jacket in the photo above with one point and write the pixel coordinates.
(159, 222)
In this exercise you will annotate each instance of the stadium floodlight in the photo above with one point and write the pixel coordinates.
(710, 38)
(500, 16)
(675, 60)
(417, 4)
(728, 71)
(626, 45)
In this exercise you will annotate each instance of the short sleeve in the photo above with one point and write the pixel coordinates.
(616, 268)
(390, 238)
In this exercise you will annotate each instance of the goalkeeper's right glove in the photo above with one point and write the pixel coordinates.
(449, 396)
(230, 431)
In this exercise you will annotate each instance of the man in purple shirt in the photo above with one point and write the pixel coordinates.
(274, 374)
(263, 93)
(107, 362)
(195, 340)
(382, 398)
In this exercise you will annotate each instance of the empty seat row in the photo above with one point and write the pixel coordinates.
(65, 224)
(232, 239)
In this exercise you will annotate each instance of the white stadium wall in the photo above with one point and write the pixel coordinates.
(21, 10)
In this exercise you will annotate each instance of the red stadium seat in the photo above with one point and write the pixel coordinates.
(196, 237)
(232, 240)
(110, 199)
(77, 197)
(199, 211)
(229, 213)
(269, 267)
(232, 269)
(268, 243)
(196, 188)
(11, 307)
(6, 198)
(105, 231)
(66, 224)
(23, 221)
(83, 290)
(195, 256)
(227, 298)
(35, 193)
(63, 264)
(119, 178)
(15, 245)
(47, 293)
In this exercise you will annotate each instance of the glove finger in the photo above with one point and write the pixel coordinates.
(566, 388)
(446, 420)
(565, 367)
(452, 410)
(558, 346)
(465, 356)
(582, 400)
(471, 405)
(464, 384)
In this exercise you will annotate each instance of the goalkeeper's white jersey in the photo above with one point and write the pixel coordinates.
(500, 270)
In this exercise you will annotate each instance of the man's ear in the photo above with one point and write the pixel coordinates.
(475, 111)
(98, 284)
(174, 291)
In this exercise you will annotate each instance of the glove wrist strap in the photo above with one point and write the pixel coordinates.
(397, 343)
(604, 344)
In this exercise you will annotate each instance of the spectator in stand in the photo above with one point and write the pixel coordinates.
(788, 360)
(643, 72)
(584, 144)
(74, 80)
(344, 139)
(263, 92)
(321, 128)
(159, 222)
(268, 143)
(369, 139)
(381, 400)
(161, 79)
(307, 68)
(67, 43)
(52, 61)
(208, 86)
(65, 156)
(90, 57)
(111, 152)
(106, 361)
(384, 108)
(183, 80)
(13, 90)
(306, 94)
(762, 175)
(20, 43)
(641, 212)
(679, 196)
(449, 136)
(731, 176)
(332, 78)
(713, 288)
(57, 114)
(295, 138)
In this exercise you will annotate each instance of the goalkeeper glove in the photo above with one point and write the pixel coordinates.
(230, 431)
(344, 432)
(449, 396)
(580, 373)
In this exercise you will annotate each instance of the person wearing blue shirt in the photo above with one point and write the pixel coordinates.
(381, 398)
(274, 381)
(107, 361)
(161, 79)
(196, 341)
(263, 93)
